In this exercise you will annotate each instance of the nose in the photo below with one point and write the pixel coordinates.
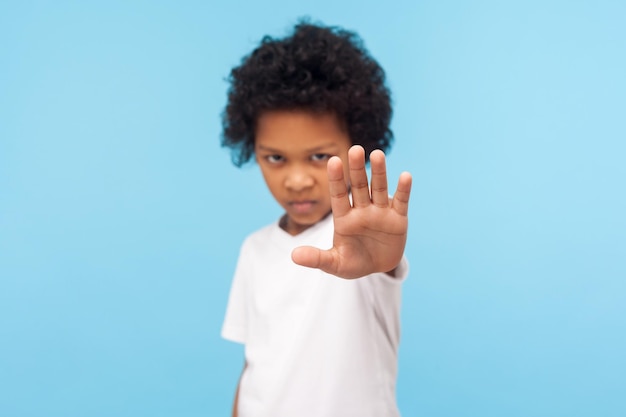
(298, 179)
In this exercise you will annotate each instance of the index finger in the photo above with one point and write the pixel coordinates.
(339, 200)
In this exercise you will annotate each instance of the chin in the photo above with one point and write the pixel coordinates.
(304, 221)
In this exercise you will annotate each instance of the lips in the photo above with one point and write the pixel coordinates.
(302, 207)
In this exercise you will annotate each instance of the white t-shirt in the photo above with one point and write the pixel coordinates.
(315, 345)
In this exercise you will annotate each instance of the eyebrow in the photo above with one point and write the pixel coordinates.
(310, 150)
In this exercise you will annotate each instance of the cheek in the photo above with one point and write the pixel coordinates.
(271, 180)
(322, 180)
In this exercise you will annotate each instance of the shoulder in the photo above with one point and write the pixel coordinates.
(261, 240)
(262, 233)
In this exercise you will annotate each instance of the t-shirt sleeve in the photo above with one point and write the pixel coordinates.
(385, 294)
(235, 323)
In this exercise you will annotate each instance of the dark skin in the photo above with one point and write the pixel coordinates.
(370, 234)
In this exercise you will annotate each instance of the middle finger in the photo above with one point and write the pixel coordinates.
(358, 177)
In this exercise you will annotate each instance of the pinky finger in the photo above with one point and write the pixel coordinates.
(400, 201)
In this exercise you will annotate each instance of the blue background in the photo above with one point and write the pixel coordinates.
(121, 217)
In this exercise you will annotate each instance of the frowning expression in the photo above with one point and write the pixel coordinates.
(292, 149)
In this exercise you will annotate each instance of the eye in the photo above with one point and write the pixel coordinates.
(319, 157)
(274, 159)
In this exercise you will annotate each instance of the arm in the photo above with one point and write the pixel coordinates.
(370, 233)
(235, 413)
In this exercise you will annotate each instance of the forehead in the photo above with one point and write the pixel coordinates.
(299, 130)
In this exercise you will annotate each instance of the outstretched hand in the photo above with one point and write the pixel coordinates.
(370, 233)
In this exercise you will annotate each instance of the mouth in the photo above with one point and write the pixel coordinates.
(303, 206)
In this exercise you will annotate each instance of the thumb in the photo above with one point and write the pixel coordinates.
(314, 258)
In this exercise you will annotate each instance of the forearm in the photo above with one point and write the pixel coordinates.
(235, 412)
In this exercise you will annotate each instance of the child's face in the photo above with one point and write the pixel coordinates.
(292, 149)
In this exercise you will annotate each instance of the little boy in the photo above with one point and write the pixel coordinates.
(311, 109)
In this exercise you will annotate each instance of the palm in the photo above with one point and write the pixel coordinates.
(370, 233)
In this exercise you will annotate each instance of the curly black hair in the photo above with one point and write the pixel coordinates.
(317, 68)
